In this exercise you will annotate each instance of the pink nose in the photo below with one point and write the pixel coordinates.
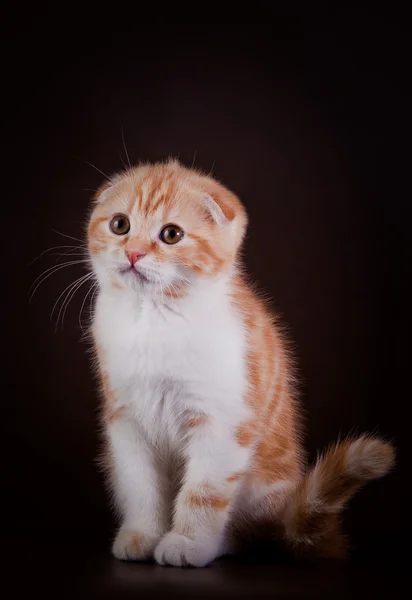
(134, 256)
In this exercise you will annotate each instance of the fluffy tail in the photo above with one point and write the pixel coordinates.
(312, 516)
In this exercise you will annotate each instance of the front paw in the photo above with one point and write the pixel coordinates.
(134, 545)
(180, 551)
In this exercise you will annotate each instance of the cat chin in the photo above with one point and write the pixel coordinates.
(134, 277)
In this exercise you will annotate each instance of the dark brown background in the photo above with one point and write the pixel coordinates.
(307, 122)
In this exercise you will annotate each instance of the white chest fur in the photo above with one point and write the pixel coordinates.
(163, 362)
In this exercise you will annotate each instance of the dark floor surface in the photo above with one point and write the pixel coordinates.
(55, 567)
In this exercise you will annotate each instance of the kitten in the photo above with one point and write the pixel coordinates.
(201, 421)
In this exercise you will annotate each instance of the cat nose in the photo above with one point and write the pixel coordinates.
(134, 256)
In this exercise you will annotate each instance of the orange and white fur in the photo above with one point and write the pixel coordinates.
(200, 415)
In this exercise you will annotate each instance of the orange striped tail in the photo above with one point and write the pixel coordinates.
(312, 516)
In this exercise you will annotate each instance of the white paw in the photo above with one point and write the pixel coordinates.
(134, 545)
(180, 551)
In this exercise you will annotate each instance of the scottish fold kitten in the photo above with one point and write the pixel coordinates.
(201, 420)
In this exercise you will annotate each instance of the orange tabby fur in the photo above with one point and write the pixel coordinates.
(307, 504)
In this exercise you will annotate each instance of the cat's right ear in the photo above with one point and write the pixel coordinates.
(103, 191)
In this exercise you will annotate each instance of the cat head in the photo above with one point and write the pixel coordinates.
(160, 227)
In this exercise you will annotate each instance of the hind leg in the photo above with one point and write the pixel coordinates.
(257, 513)
(274, 473)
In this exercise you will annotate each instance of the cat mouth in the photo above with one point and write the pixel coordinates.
(133, 272)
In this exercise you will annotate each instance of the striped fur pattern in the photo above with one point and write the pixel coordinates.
(201, 420)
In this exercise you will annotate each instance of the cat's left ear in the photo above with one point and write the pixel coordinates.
(219, 210)
(102, 191)
(106, 188)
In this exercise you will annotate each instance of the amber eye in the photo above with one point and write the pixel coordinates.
(120, 224)
(171, 234)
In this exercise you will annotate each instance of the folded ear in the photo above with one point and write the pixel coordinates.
(106, 188)
(220, 211)
(102, 191)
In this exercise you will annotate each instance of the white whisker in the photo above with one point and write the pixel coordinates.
(99, 170)
(93, 288)
(51, 271)
(96, 289)
(68, 254)
(125, 149)
(72, 292)
(49, 250)
(69, 236)
(73, 283)
(83, 303)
